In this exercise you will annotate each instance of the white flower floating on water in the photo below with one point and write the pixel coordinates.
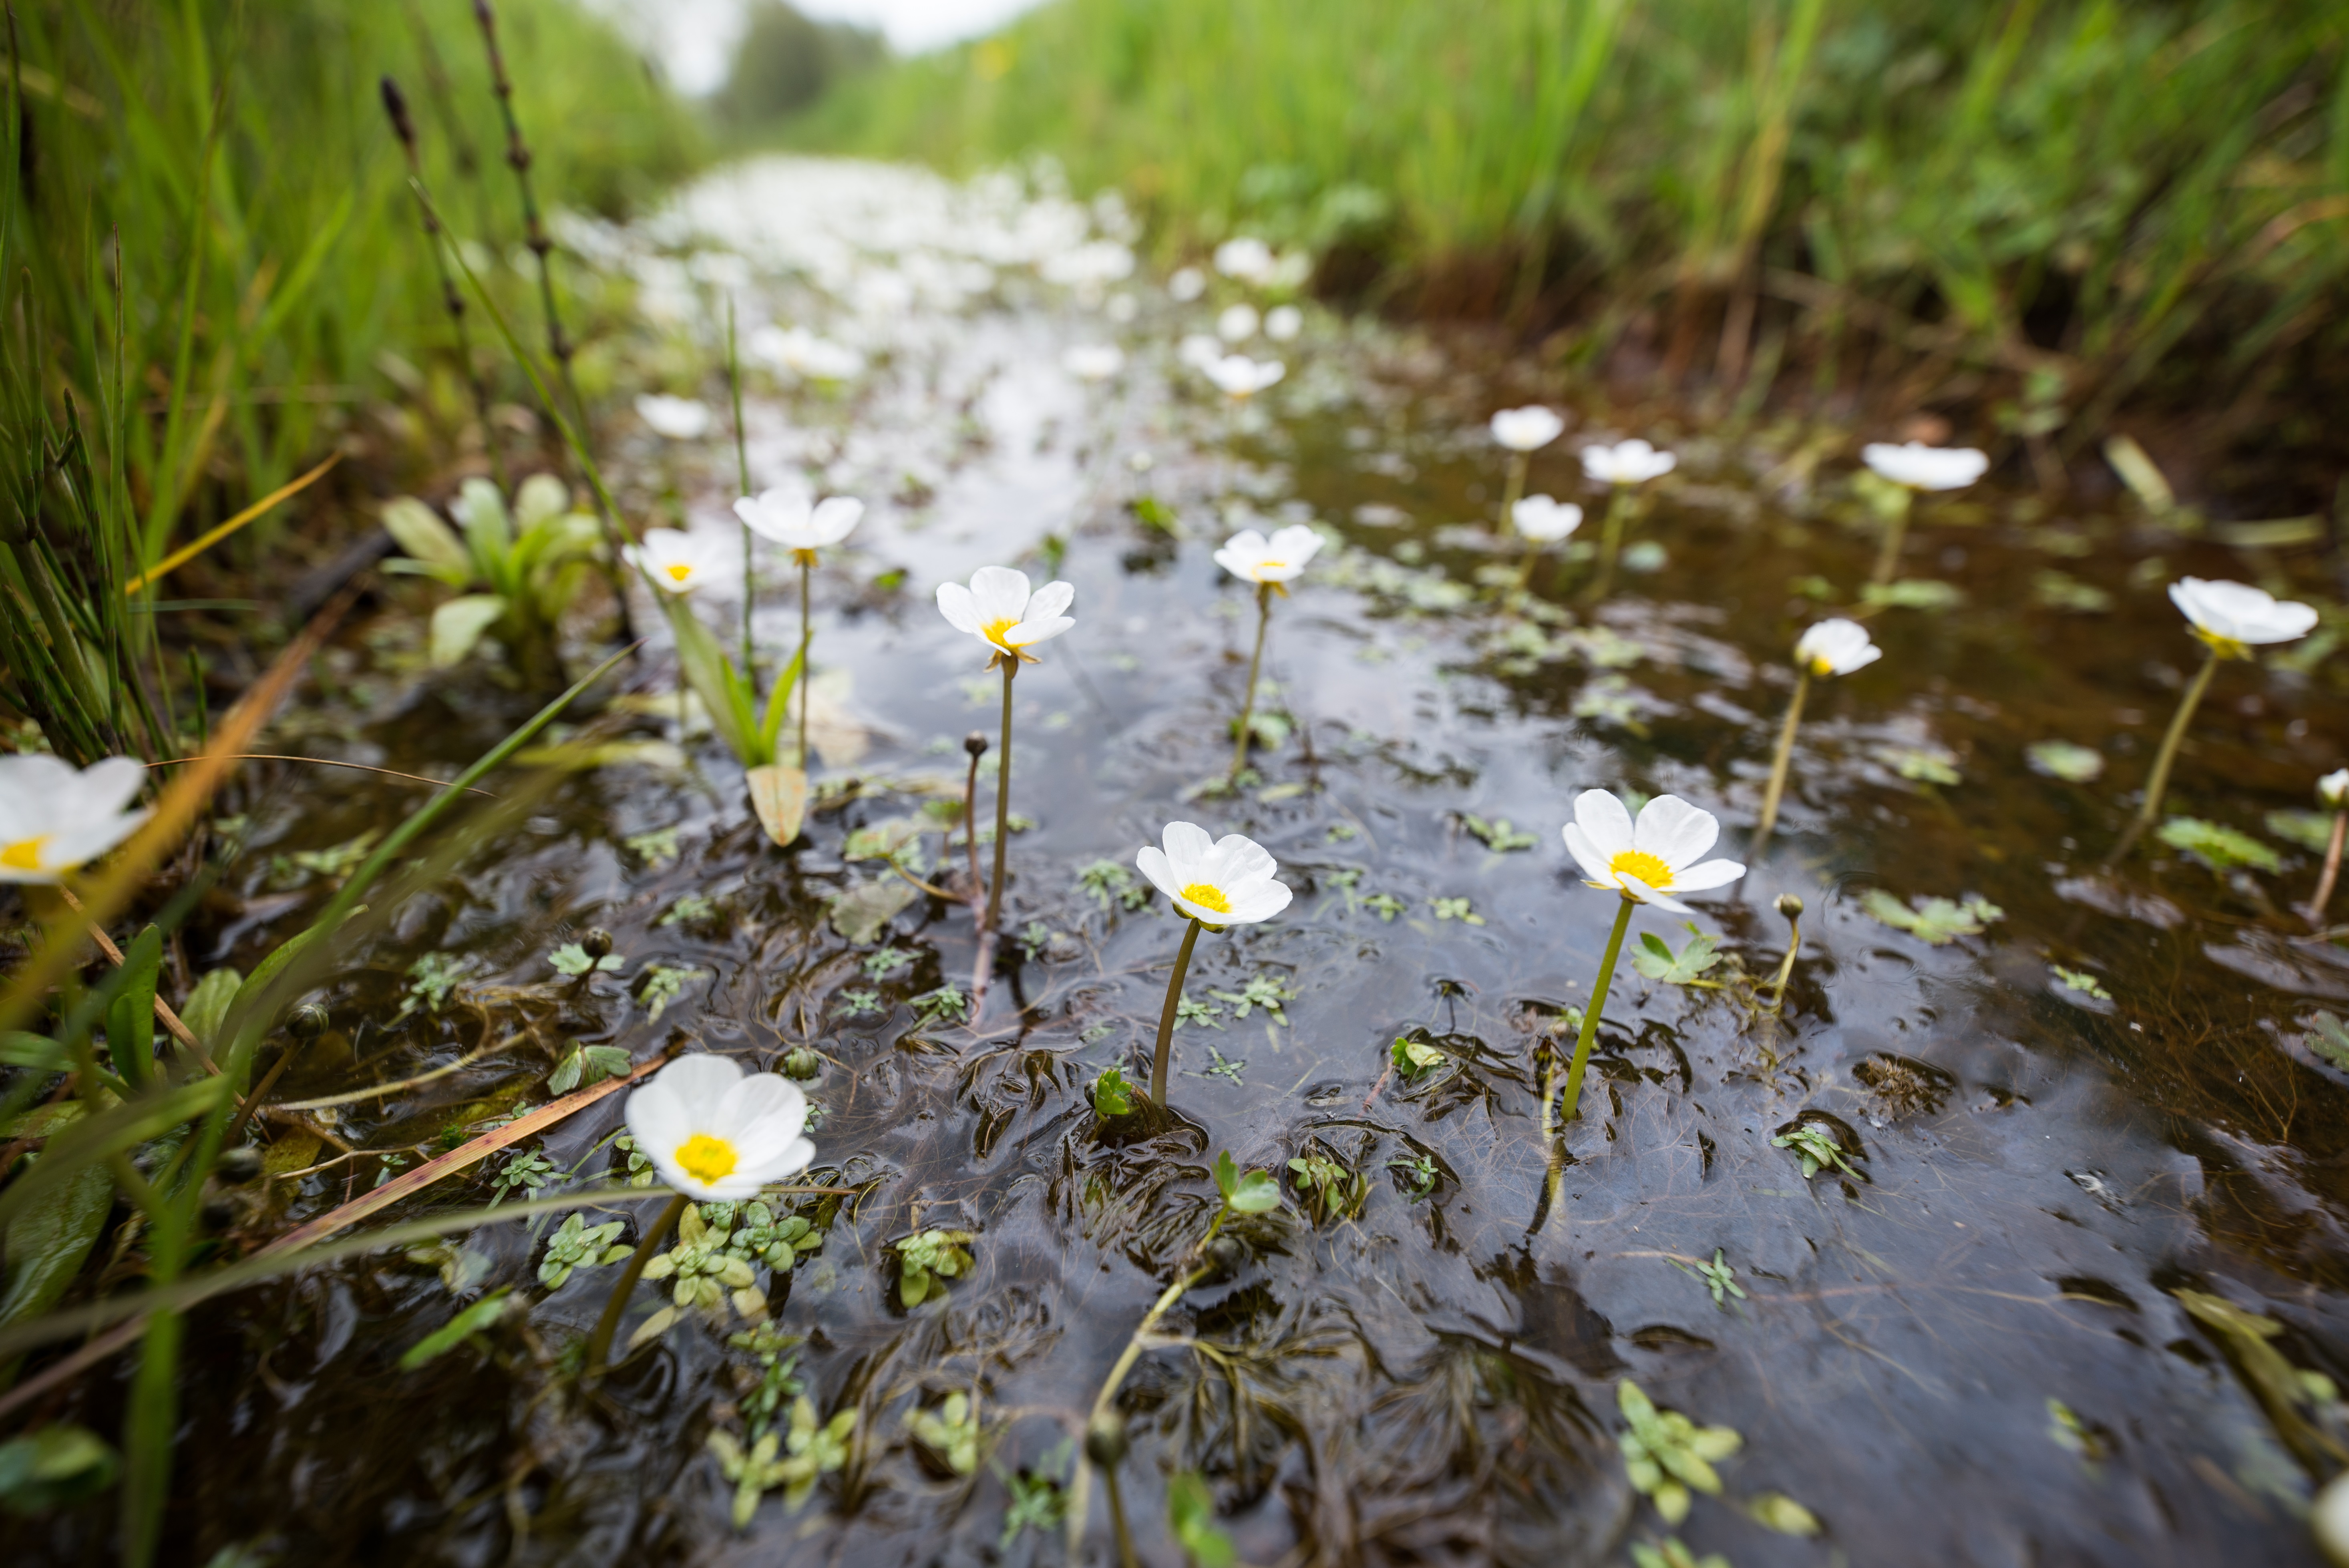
(1241, 377)
(54, 820)
(1282, 323)
(1186, 283)
(1526, 430)
(790, 516)
(1094, 361)
(1200, 350)
(1921, 467)
(1252, 558)
(1216, 883)
(678, 418)
(998, 610)
(675, 562)
(1632, 462)
(1246, 258)
(1660, 855)
(1833, 647)
(802, 353)
(1237, 324)
(717, 1133)
(1836, 647)
(1545, 521)
(2234, 617)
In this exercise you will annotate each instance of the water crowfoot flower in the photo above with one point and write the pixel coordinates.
(1522, 431)
(1624, 466)
(675, 418)
(54, 820)
(1241, 377)
(793, 518)
(1215, 883)
(1092, 361)
(1644, 863)
(1000, 610)
(1833, 647)
(2231, 619)
(1540, 520)
(2331, 793)
(1914, 467)
(1270, 564)
(675, 562)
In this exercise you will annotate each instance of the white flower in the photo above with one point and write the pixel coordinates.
(1626, 463)
(1250, 557)
(998, 610)
(1282, 323)
(1545, 521)
(678, 418)
(1237, 324)
(802, 353)
(1219, 881)
(1246, 258)
(54, 820)
(1526, 430)
(1244, 377)
(1187, 284)
(1659, 857)
(1122, 308)
(1924, 468)
(717, 1133)
(1199, 350)
(678, 563)
(2333, 789)
(788, 516)
(1836, 647)
(1094, 361)
(2234, 617)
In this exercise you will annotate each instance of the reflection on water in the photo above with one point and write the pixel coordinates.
(1965, 1344)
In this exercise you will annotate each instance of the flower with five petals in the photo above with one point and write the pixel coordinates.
(1662, 855)
(1000, 610)
(717, 1133)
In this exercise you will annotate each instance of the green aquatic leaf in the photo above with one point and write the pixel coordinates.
(2219, 847)
(1657, 961)
(1501, 837)
(2062, 760)
(2329, 1038)
(1912, 594)
(571, 959)
(1191, 1515)
(486, 1312)
(951, 1432)
(860, 914)
(1412, 1057)
(2080, 980)
(2310, 830)
(1112, 1096)
(1939, 921)
(58, 1465)
(1922, 764)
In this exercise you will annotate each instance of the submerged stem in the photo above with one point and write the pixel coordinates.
(1256, 663)
(2332, 871)
(599, 1344)
(1166, 1016)
(1783, 762)
(1895, 529)
(2156, 783)
(1003, 803)
(1589, 1021)
(1610, 543)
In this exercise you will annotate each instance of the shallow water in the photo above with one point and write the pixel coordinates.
(1434, 1380)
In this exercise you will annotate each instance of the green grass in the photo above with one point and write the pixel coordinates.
(2057, 190)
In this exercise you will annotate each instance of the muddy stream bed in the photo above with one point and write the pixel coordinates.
(1967, 1346)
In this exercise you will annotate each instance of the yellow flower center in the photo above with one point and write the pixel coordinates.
(2225, 647)
(1640, 863)
(1270, 565)
(1207, 895)
(707, 1159)
(993, 631)
(678, 571)
(24, 854)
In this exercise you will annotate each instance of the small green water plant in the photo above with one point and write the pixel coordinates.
(1271, 564)
(951, 1432)
(1330, 1188)
(1716, 1276)
(1500, 836)
(1817, 1146)
(1215, 884)
(2063, 759)
(579, 1246)
(794, 1459)
(1898, 473)
(2229, 619)
(2217, 846)
(998, 609)
(1833, 647)
(1674, 1553)
(1644, 863)
(1112, 1095)
(1657, 961)
(1191, 1518)
(1412, 1057)
(1624, 468)
(928, 1259)
(517, 571)
(1939, 921)
(1667, 1456)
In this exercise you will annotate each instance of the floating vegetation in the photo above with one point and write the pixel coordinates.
(1939, 921)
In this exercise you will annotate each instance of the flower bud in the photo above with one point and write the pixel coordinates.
(1790, 906)
(803, 1063)
(1105, 1440)
(596, 943)
(975, 743)
(306, 1023)
(2333, 789)
(238, 1165)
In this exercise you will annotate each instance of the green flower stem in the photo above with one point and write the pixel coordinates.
(1895, 529)
(1786, 964)
(1166, 1016)
(742, 477)
(1784, 761)
(1589, 1022)
(1256, 663)
(1512, 491)
(1610, 543)
(1003, 801)
(2156, 784)
(599, 1344)
(1125, 1552)
(807, 637)
(1525, 567)
(2332, 871)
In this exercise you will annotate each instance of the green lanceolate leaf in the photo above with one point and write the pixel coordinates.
(483, 1314)
(130, 1016)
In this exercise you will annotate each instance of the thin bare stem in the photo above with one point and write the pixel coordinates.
(1786, 964)
(599, 1344)
(1573, 1102)
(1256, 663)
(742, 477)
(1158, 1059)
(1002, 804)
(1896, 530)
(1783, 762)
(1610, 543)
(2331, 871)
(2156, 783)
(807, 637)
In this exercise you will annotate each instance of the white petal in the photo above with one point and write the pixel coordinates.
(1708, 875)
(1675, 832)
(1295, 544)
(1028, 633)
(700, 1082)
(956, 605)
(1606, 821)
(1646, 895)
(1050, 602)
(757, 1100)
(1241, 859)
(835, 517)
(107, 786)
(1000, 593)
(1189, 851)
(1256, 904)
(83, 842)
(657, 1120)
(1585, 854)
(789, 1160)
(1154, 864)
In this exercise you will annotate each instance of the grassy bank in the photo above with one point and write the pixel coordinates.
(2083, 203)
